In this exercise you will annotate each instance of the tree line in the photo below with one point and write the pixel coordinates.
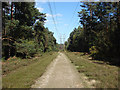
(23, 30)
(99, 32)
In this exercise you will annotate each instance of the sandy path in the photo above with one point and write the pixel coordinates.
(60, 74)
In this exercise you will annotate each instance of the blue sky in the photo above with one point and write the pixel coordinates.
(65, 15)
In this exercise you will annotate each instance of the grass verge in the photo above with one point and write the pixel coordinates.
(25, 75)
(14, 63)
(106, 74)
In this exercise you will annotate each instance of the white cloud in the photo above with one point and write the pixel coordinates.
(48, 15)
(40, 9)
(66, 24)
(59, 15)
(43, 1)
(56, 15)
(50, 21)
(63, 0)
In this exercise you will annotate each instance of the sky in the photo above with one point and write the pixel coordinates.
(65, 15)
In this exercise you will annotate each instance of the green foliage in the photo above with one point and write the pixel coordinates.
(26, 47)
(24, 33)
(3, 59)
(11, 27)
(40, 47)
(76, 41)
(101, 35)
(93, 52)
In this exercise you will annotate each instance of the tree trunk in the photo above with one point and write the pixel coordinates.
(11, 10)
(3, 21)
(118, 27)
(15, 11)
(90, 14)
(9, 49)
(118, 14)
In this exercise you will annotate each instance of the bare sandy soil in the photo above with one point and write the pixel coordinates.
(61, 74)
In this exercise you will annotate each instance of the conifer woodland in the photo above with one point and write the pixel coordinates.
(23, 31)
(32, 57)
(99, 32)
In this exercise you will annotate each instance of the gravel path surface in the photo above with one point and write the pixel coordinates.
(60, 74)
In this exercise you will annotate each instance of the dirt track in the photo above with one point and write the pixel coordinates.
(61, 74)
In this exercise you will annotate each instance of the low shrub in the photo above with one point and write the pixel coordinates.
(26, 48)
(94, 52)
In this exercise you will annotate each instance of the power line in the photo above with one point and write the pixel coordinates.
(62, 41)
(52, 16)
(74, 11)
(73, 14)
(75, 24)
(55, 9)
(62, 38)
(56, 13)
